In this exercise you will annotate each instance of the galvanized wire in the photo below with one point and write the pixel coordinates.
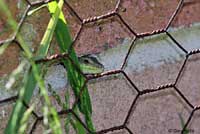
(137, 36)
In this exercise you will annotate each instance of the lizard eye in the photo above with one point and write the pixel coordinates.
(86, 61)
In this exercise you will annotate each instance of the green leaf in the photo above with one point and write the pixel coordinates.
(186, 131)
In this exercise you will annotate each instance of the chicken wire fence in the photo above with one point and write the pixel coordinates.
(111, 72)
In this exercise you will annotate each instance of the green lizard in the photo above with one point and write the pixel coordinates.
(90, 65)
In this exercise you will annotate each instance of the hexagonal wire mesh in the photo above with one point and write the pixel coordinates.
(114, 13)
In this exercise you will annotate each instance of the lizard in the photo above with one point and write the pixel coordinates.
(90, 65)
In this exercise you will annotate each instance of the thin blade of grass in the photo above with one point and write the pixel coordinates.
(36, 9)
(186, 131)
(15, 75)
(52, 114)
(24, 120)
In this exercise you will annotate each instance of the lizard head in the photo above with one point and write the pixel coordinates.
(90, 65)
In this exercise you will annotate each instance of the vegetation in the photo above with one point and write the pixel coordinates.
(58, 26)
